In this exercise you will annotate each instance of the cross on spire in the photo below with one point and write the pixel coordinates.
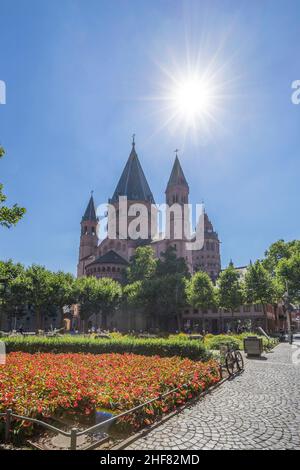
(176, 152)
(133, 139)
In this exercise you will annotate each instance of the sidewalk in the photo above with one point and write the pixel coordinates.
(258, 410)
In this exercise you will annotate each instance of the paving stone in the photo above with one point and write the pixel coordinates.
(259, 409)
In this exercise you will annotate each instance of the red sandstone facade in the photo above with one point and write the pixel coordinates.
(109, 257)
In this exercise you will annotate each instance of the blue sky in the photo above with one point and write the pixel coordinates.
(79, 77)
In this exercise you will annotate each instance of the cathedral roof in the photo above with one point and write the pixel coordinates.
(177, 177)
(90, 212)
(133, 183)
(111, 257)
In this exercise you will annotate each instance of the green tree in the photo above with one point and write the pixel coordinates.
(98, 296)
(165, 298)
(229, 292)
(200, 292)
(259, 287)
(38, 287)
(88, 297)
(63, 292)
(110, 293)
(169, 263)
(8, 216)
(278, 251)
(288, 275)
(142, 264)
(132, 300)
(169, 294)
(12, 292)
(132, 294)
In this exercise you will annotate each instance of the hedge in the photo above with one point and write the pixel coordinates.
(192, 349)
(215, 342)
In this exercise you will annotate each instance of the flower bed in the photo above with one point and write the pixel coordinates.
(41, 385)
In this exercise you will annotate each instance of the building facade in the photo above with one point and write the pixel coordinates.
(110, 256)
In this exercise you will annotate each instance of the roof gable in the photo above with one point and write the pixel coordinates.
(111, 257)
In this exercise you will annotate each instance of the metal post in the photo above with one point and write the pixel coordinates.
(73, 439)
(7, 424)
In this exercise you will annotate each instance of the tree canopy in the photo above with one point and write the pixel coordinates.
(142, 264)
(259, 287)
(230, 294)
(9, 216)
(200, 291)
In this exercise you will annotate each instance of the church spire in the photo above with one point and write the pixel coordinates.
(90, 212)
(177, 177)
(133, 183)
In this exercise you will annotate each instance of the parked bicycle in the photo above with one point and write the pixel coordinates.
(232, 359)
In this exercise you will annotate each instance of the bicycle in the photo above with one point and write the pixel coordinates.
(233, 359)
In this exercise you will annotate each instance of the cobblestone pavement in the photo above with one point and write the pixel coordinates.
(260, 409)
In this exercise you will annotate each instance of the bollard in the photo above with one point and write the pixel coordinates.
(7, 424)
(73, 439)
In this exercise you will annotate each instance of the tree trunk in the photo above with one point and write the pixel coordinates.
(104, 320)
(179, 322)
(265, 317)
(62, 320)
(38, 320)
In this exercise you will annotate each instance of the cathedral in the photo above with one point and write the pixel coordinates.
(110, 256)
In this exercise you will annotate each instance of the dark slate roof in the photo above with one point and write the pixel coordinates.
(111, 257)
(177, 176)
(90, 212)
(133, 183)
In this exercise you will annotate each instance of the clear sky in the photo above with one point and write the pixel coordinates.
(81, 77)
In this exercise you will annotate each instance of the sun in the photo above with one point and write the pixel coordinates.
(192, 98)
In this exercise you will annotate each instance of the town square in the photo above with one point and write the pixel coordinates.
(149, 229)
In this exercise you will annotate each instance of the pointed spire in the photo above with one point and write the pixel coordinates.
(90, 212)
(133, 183)
(177, 177)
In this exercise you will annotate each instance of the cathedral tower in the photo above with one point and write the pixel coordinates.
(177, 192)
(208, 258)
(88, 237)
(133, 184)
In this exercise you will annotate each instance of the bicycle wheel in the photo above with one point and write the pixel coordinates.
(239, 360)
(230, 363)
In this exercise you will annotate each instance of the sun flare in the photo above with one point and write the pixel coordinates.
(192, 98)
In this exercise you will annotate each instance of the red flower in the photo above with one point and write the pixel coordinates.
(48, 383)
